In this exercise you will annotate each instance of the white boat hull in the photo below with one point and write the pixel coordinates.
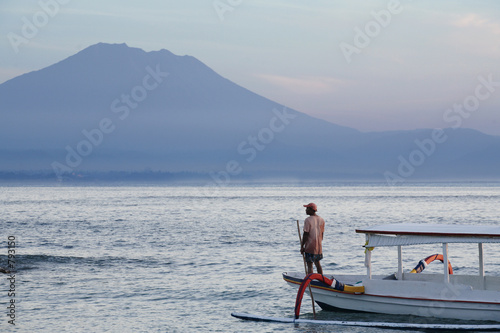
(409, 297)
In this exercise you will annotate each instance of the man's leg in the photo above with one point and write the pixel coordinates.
(309, 268)
(318, 267)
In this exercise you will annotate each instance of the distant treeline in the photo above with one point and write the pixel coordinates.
(101, 176)
(205, 179)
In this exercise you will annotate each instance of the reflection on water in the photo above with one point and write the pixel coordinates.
(153, 258)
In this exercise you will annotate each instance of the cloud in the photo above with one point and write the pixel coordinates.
(305, 85)
(473, 20)
(473, 34)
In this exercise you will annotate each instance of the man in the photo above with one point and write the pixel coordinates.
(314, 229)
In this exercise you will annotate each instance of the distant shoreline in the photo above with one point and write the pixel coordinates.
(204, 179)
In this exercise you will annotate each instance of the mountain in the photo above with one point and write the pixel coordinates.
(111, 107)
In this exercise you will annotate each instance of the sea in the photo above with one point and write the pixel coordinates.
(124, 257)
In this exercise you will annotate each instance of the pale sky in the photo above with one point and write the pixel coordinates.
(369, 65)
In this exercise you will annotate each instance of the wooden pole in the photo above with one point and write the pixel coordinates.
(305, 269)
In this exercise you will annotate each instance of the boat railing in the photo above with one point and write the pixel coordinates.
(475, 281)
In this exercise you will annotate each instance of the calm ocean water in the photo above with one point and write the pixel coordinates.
(181, 259)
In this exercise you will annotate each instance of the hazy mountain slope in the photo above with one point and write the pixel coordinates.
(121, 108)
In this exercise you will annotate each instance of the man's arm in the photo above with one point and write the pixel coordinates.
(305, 237)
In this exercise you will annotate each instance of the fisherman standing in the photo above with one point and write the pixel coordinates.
(314, 228)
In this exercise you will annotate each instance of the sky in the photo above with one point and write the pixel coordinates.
(369, 65)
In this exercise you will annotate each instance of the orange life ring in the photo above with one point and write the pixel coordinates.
(424, 262)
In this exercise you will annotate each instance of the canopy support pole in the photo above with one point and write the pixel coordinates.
(481, 265)
(400, 263)
(368, 259)
(445, 263)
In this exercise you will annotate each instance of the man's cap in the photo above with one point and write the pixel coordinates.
(312, 205)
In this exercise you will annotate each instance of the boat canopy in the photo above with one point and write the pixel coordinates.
(413, 233)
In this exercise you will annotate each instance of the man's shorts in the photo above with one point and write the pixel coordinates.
(313, 257)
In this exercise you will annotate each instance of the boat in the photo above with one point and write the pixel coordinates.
(439, 295)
